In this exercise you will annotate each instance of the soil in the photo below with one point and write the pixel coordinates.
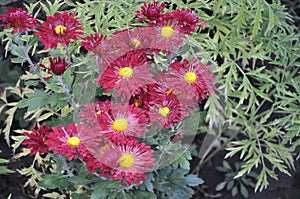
(287, 187)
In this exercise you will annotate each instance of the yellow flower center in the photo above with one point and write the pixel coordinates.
(126, 160)
(60, 30)
(167, 31)
(164, 112)
(169, 91)
(136, 103)
(100, 112)
(120, 124)
(135, 43)
(102, 149)
(190, 77)
(126, 72)
(73, 141)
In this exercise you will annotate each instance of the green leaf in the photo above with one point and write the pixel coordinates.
(5, 170)
(50, 181)
(230, 185)
(220, 186)
(234, 191)
(99, 191)
(244, 191)
(34, 100)
(193, 180)
(144, 194)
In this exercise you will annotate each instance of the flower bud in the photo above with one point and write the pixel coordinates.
(58, 65)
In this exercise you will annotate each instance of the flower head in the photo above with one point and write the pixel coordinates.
(125, 121)
(167, 35)
(151, 12)
(60, 28)
(126, 74)
(129, 161)
(192, 80)
(36, 140)
(66, 141)
(166, 112)
(58, 65)
(129, 40)
(187, 21)
(91, 42)
(19, 19)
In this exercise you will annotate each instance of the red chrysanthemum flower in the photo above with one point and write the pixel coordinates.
(92, 41)
(192, 80)
(128, 40)
(166, 113)
(96, 116)
(142, 98)
(126, 74)
(67, 141)
(187, 21)
(165, 90)
(36, 140)
(58, 66)
(18, 19)
(151, 12)
(93, 165)
(167, 35)
(125, 121)
(106, 52)
(129, 161)
(60, 28)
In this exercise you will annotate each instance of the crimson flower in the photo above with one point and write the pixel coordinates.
(129, 161)
(129, 40)
(58, 65)
(186, 20)
(60, 28)
(191, 80)
(126, 74)
(19, 19)
(92, 41)
(151, 12)
(36, 140)
(167, 35)
(101, 47)
(67, 141)
(124, 121)
(96, 116)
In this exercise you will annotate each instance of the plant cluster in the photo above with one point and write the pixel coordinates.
(136, 71)
(108, 108)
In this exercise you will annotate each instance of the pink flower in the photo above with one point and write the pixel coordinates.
(67, 141)
(187, 21)
(191, 80)
(167, 35)
(129, 40)
(18, 19)
(129, 161)
(126, 74)
(36, 140)
(60, 28)
(166, 112)
(125, 121)
(151, 12)
(58, 66)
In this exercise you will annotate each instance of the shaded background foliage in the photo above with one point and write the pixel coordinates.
(253, 47)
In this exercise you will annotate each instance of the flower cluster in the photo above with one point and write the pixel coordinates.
(110, 136)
